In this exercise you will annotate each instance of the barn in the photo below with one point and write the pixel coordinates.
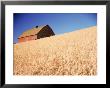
(36, 33)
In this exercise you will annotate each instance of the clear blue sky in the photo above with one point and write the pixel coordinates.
(59, 22)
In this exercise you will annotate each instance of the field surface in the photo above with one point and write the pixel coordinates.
(73, 53)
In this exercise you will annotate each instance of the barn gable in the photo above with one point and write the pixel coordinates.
(45, 32)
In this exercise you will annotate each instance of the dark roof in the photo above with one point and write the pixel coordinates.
(32, 31)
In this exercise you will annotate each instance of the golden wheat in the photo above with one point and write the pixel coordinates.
(71, 53)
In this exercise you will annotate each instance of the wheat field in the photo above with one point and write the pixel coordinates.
(73, 53)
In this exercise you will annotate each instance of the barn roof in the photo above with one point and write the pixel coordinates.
(32, 31)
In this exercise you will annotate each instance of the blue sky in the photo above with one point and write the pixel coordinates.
(59, 22)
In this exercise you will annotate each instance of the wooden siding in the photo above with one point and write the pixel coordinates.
(27, 38)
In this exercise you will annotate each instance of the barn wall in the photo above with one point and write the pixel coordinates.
(32, 37)
(27, 38)
(21, 39)
(45, 32)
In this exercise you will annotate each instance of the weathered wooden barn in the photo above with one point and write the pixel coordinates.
(36, 33)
